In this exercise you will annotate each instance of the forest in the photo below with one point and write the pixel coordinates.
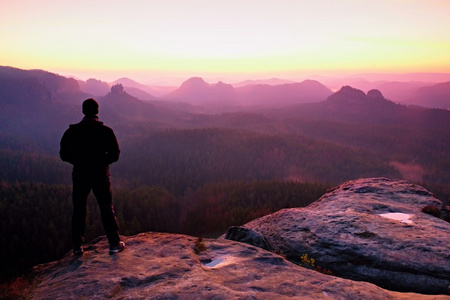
(186, 170)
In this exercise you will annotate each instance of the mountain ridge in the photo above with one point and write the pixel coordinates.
(405, 92)
(197, 90)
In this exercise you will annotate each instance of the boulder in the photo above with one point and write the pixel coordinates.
(172, 266)
(247, 236)
(375, 230)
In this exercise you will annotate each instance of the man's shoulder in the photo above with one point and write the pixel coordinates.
(72, 128)
(75, 127)
(90, 126)
(105, 127)
(88, 123)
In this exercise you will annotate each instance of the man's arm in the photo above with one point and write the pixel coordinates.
(66, 148)
(113, 151)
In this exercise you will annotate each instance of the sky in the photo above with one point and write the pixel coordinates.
(231, 39)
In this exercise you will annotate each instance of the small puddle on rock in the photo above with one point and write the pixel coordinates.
(404, 218)
(212, 263)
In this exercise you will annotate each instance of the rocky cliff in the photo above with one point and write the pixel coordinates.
(370, 230)
(169, 266)
(388, 232)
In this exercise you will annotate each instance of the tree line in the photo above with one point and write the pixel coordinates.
(178, 159)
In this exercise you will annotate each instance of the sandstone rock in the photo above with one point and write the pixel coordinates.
(370, 230)
(165, 266)
(247, 236)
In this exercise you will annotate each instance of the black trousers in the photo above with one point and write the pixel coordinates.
(99, 183)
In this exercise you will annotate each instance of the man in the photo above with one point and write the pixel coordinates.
(91, 147)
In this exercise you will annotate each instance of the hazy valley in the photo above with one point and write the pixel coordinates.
(201, 157)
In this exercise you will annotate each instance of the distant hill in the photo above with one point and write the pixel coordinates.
(142, 91)
(348, 97)
(351, 105)
(283, 94)
(196, 90)
(427, 90)
(119, 107)
(37, 106)
(119, 103)
(130, 83)
(399, 92)
(272, 81)
(435, 96)
(16, 84)
(94, 87)
(418, 93)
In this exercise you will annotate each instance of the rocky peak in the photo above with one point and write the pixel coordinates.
(172, 266)
(388, 232)
(375, 94)
(117, 89)
(223, 85)
(194, 83)
(223, 90)
(196, 90)
(95, 87)
(347, 94)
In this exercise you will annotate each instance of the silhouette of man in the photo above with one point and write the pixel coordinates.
(91, 147)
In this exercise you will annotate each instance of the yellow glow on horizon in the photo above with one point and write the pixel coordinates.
(250, 37)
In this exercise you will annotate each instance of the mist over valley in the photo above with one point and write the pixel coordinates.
(201, 157)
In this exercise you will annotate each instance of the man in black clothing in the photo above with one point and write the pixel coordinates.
(91, 147)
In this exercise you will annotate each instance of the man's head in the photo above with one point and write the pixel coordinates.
(90, 107)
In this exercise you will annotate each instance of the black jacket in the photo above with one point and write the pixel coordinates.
(89, 146)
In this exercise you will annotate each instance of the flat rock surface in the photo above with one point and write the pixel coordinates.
(369, 230)
(166, 266)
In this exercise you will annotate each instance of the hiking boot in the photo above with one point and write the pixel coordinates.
(78, 251)
(116, 248)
